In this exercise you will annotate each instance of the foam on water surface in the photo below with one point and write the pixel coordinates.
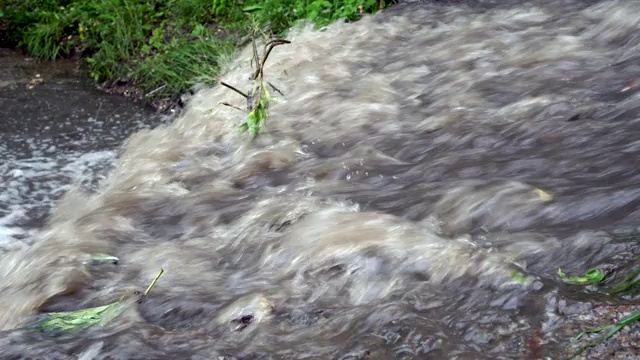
(32, 186)
(52, 137)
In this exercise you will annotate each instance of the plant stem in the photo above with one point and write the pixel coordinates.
(153, 283)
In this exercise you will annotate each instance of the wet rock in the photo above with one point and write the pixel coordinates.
(568, 307)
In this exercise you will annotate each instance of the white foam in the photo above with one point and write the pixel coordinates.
(33, 185)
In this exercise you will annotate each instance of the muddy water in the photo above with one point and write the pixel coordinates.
(56, 129)
(419, 157)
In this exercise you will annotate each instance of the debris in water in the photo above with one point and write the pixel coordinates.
(80, 319)
(245, 311)
(590, 277)
(35, 81)
(259, 99)
(97, 259)
(632, 85)
(521, 278)
(68, 321)
(544, 196)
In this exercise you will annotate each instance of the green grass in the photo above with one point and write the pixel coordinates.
(161, 47)
(277, 16)
(181, 65)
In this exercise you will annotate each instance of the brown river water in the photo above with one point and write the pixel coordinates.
(418, 158)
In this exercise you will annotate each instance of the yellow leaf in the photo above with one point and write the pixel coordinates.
(544, 196)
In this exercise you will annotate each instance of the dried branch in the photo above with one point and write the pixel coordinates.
(258, 100)
(267, 50)
(275, 88)
(234, 89)
(233, 106)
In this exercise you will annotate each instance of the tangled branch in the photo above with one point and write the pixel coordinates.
(258, 100)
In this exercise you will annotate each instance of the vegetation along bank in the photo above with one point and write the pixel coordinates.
(157, 49)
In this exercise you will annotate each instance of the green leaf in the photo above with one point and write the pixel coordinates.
(521, 278)
(252, 8)
(324, 3)
(614, 329)
(69, 321)
(590, 277)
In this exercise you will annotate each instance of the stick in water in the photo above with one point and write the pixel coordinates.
(153, 283)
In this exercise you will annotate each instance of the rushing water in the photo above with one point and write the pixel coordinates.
(421, 155)
(55, 130)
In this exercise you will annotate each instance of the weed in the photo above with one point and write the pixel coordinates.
(259, 100)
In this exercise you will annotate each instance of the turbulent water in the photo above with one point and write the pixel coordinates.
(418, 158)
(55, 130)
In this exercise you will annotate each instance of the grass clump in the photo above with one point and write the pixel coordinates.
(277, 16)
(180, 65)
(161, 47)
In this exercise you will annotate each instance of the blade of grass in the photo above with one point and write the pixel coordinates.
(626, 283)
(614, 329)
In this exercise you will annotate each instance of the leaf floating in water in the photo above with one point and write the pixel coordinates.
(520, 278)
(35, 81)
(590, 277)
(544, 196)
(97, 259)
(70, 321)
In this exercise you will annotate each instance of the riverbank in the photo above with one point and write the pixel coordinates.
(156, 50)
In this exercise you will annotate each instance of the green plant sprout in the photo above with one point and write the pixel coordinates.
(72, 321)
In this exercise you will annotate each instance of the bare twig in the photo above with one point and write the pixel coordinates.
(234, 89)
(275, 88)
(258, 99)
(232, 106)
(255, 57)
(268, 47)
(153, 283)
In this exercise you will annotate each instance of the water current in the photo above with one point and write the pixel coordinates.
(418, 158)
